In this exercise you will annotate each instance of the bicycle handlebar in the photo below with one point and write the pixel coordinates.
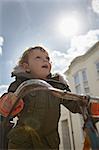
(35, 84)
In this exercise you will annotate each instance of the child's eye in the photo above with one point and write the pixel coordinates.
(48, 58)
(38, 57)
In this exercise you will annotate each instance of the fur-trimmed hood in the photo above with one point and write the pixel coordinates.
(19, 71)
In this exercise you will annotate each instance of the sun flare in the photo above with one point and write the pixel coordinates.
(68, 26)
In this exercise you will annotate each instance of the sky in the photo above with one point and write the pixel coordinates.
(66, 28)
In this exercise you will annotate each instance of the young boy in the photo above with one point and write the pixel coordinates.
(38, 112)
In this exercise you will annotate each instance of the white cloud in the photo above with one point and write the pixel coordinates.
(95, 6)
(1, 40)
(3, 89)
(0, 50)
(1, 44)
(60, 61)
(79, 45)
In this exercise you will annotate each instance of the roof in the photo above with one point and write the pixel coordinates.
(89, 52)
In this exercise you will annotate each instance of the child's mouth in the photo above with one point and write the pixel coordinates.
(45, 66)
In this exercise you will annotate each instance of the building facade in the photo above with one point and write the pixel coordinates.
(83, 72)
(83, 78)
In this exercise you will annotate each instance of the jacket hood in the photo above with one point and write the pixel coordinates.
(20, 72)
(57, 79)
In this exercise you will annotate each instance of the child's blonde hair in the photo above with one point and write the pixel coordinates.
(24, 57)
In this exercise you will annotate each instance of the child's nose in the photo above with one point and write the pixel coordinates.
(45, 60)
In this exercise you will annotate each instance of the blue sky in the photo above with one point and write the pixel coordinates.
(25, 23)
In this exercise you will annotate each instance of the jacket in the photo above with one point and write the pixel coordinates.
(38, 121)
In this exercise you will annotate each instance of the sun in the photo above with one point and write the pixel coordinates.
(68, 26)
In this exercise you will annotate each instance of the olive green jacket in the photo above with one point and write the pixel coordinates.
(39, 117)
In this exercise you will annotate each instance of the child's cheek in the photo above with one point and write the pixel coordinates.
(50, 66)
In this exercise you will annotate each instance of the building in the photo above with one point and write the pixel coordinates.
(83, 72)
(83, 78)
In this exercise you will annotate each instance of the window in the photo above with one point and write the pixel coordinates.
(97, 67)
(76, 78)
(85, 81)
(77, 83)
(84, 75)
(81, 82)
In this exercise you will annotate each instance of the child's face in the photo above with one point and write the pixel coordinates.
(39, 64)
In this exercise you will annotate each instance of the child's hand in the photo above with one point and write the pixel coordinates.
(85, 100)
(6, 103)
(60, 78)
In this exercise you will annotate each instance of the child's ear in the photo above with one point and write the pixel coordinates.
(26, 67)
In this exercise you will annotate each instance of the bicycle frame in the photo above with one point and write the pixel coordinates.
(91, 129)
(35, 85)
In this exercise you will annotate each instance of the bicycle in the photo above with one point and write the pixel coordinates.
(35, 85)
